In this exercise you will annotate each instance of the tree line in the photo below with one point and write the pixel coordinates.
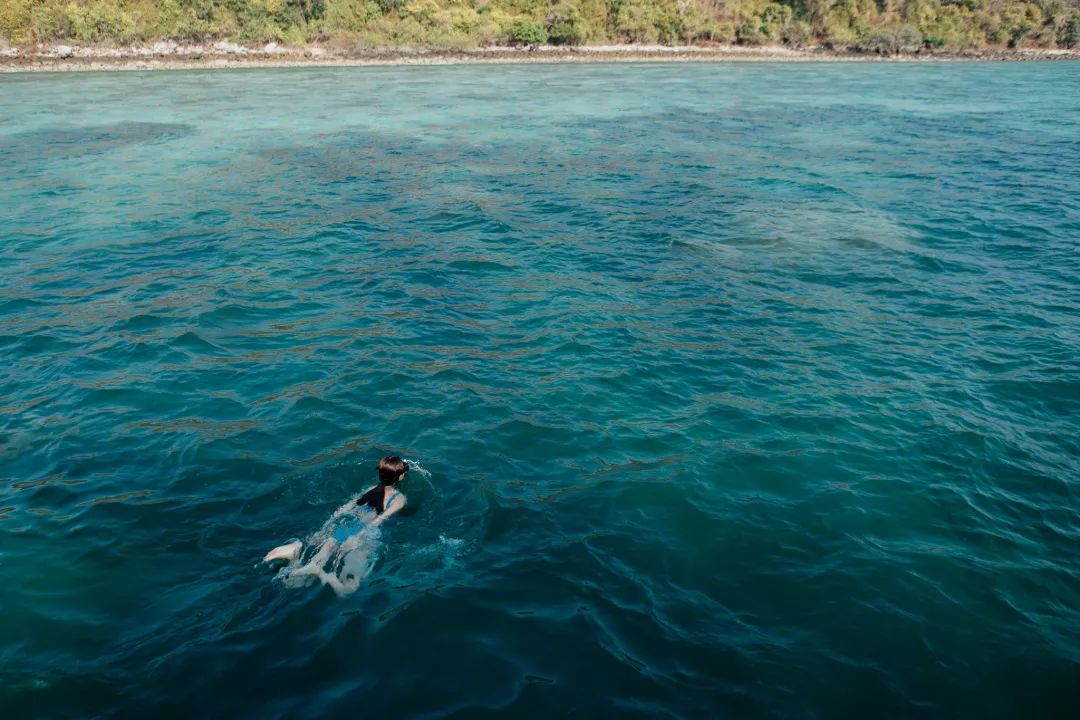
(879, 26)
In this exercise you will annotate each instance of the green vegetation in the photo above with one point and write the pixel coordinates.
(876, 26)
(527, 32)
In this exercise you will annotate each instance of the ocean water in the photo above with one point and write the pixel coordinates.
(744, 391)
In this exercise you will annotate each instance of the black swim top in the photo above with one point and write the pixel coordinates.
(374, 498)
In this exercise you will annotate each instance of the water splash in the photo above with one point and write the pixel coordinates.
(340, 554)
(415, 466)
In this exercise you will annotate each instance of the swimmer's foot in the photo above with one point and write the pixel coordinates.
(288, 552)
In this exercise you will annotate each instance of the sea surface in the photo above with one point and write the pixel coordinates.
(732, 390)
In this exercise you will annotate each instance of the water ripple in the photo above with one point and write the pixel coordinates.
(734, 403)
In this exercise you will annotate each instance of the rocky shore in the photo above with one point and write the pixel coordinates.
(170, 55)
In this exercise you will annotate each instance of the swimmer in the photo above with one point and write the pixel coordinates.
(384, 499)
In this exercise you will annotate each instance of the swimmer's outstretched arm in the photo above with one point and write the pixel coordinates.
(396, 504)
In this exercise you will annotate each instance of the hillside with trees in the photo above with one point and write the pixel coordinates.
(883, 26)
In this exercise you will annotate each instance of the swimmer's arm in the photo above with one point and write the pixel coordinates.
(343, 509)
(396, 504)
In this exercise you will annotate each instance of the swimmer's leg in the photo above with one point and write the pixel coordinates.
(316, 565)
(341, 588)
(288, 552)
(316, 568)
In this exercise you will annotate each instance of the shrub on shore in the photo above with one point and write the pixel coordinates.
(878, 26)
(527, 32)
(891, 41)
(1069, 34)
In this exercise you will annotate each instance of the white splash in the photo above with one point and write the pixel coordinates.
(340, 554)
(454, 544)
(415, 466)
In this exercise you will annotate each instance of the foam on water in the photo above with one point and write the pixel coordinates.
(343, 564)
(417, 468)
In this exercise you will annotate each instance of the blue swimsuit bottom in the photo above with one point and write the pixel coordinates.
(347, 528)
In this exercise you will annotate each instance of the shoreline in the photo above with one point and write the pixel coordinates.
(223, 55)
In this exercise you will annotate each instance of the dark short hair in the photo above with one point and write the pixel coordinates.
(391, 468)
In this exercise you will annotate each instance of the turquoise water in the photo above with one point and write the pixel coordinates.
(742, 390)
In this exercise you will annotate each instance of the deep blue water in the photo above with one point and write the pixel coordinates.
(744, 391)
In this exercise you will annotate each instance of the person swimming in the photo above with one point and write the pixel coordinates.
(384, 498)
(344, 532)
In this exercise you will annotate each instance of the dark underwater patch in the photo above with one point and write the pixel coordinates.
(58, 143)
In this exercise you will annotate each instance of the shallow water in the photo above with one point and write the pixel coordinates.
(746, 390)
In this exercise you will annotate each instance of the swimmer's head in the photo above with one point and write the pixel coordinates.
(391, 469)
